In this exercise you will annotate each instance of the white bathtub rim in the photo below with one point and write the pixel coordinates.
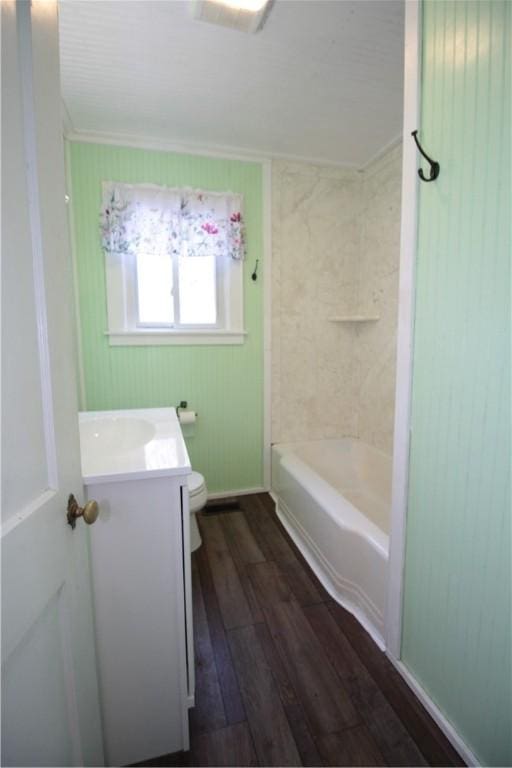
(338, 587)
(335, 504)
(349, 439)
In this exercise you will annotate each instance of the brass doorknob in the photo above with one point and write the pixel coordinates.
(89, 513)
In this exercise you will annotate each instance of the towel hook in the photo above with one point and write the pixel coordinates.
(434, 166)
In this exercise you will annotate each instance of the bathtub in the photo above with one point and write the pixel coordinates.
(334, 499)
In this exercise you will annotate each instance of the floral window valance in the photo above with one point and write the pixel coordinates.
(164, 220)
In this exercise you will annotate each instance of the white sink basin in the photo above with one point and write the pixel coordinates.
(131, 444)
(109, 434)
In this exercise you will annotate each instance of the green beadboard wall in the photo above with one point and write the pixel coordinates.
(457, 594)
(224, 384)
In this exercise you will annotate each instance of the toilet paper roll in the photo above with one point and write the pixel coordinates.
(186, 417)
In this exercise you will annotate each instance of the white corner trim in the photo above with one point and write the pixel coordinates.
(234, 493)
(403, 393)
(34, 192)
(440, 719)
(74, 270)
(267, 320)
(67, 123)
(161, 338)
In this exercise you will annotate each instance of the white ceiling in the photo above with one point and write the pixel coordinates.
(322, 80)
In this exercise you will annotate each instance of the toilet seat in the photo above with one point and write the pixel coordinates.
(195, 482)
(197, 497)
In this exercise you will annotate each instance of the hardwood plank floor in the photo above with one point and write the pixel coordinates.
(429, 739)
(391, 737)
(264, 525)
(292, 706)
(242, 544)
(244, 550)
(269, 726)
(209, 713)
(230, 594)
(327, 704)
(354, 746)
(225, 747)
(284, 675)
(228, 681)
(302, 586)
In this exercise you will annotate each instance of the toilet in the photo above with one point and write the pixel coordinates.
(198, 496)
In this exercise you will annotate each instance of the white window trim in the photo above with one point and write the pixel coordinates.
(155, 337)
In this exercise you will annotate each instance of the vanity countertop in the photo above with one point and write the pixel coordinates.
(136, 444)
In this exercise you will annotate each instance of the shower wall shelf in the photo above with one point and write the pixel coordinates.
(355, 319)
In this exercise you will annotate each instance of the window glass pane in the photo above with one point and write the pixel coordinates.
(198, 299)
(154, 289)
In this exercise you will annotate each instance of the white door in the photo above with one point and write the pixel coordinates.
(50, 711)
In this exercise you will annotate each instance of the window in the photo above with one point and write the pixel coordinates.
(155, 293)
(173, 265)
(190, 301)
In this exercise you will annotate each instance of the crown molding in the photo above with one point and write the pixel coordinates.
(189, 148)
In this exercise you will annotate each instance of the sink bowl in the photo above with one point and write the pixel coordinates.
(133, 444)
(115, 434)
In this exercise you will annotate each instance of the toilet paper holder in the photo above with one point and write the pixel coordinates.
(182, 407)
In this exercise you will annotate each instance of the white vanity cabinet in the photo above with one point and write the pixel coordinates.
(140, 558)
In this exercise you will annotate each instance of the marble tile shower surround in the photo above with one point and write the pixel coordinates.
(315, 241)
(379, 260)
(329, 379)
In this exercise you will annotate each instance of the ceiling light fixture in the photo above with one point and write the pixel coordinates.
(242, 15)
(244, 5)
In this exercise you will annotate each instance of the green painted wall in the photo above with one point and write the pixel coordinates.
(457, 601)
(222, 383)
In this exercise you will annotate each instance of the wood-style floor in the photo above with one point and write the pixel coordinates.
(284, 675)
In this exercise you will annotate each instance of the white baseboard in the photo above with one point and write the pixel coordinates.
(447, 728)
(239, 492)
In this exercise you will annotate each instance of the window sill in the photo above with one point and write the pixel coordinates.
(141, 338)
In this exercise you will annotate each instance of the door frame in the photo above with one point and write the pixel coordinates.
(405, 330)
